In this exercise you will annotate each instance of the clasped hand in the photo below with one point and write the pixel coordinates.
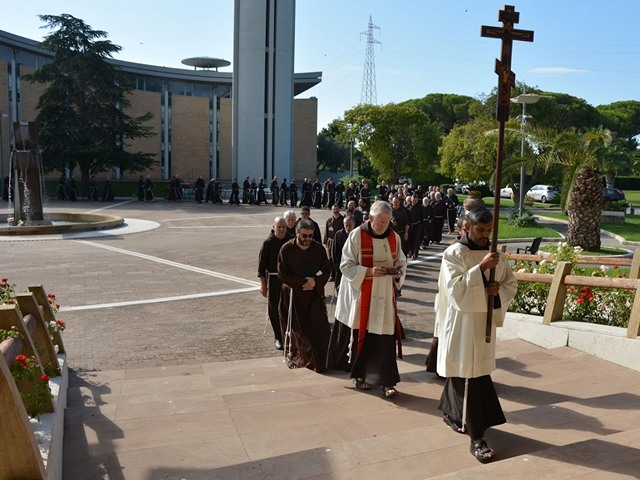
(310, 284)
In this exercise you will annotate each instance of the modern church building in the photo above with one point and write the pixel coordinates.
(207, 122)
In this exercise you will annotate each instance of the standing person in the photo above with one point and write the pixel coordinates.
(62, 188)
(93, 188)
(339, 239)
(306, 200)
(372, 262)
(316, 190)
(275, 191)
(452, 202)
(141, 189)
(270, 284)
(262, 196)
(305, 213)
(284, 190)
(235, 192)
(208, 196)
(217, 192)
(73, 189)
(148, 190)
(303, 268)
(293, 193)
(246, 186)
(439, 214)
(340, 193)
(333, 224)
(291, 219)
(400, 222)
(416, 213)
(365, 195)
(469, 401)
(107, 194)
(199, 189)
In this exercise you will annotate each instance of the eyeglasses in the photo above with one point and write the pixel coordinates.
(306, 235)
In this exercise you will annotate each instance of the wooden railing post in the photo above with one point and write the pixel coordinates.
(557, 294)
(19, 453)
(634, 271)
(43, 302)
(633, 330)
(40, 335)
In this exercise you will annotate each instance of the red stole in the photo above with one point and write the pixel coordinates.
(366, 250)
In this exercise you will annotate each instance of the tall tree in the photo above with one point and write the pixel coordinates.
(582, 195)
(82, 119)
(446, 109)
(622, 117)
(399, 139)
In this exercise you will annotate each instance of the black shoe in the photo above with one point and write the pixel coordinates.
(278, 345)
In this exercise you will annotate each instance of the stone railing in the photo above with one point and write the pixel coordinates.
(561, 280)
(31, 448)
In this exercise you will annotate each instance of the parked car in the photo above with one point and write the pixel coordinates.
(507, 191)
(544, 193)
(614, 195)
(462, 188)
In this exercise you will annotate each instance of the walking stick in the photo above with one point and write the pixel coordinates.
(506, 80)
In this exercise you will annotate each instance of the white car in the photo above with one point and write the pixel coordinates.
(544, 193)
(462, 188)
(507, 191)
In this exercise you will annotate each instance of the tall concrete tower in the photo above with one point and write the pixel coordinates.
(263, 53)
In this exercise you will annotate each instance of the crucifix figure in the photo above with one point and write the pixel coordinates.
(506, 80)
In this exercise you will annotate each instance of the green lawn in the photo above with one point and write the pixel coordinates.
(630, 230)
(508, 231)
(632, 196)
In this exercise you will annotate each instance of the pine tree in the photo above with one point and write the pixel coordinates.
(82, 119)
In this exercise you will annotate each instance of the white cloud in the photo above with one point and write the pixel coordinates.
(558, 71)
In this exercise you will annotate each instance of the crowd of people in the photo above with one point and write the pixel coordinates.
(364, 251)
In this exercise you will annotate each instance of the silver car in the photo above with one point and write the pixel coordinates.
(544, 193)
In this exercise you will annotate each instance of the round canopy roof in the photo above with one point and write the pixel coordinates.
(206, 62)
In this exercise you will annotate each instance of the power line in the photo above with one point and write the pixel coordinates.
(369, 94)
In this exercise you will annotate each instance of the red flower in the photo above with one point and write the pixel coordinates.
(591, 298)
(4, 280)
(61, 324)
(21, 359)
(616, 267)
(570, 289)
(44, 378)
(51, 295)
(58, 306)
(579, 301)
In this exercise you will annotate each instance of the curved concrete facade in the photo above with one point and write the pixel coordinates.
(191, 120)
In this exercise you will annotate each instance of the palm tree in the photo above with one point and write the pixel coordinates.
(582, 196)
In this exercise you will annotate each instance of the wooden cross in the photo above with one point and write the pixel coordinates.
(506, 80)
(508, 34)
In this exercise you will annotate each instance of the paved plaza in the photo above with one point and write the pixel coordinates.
(173, 372)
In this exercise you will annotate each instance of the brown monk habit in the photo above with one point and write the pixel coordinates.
(303, 312)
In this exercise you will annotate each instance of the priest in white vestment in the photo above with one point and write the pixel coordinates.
(469, 400)
(367, 326)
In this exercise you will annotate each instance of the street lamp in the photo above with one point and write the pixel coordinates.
(524, 98)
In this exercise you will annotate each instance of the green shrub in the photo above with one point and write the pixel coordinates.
(525, 221)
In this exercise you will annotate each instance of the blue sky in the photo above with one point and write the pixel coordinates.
(586, 48)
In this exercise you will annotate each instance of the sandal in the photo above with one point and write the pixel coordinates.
(291, 364)
(481, 451)
(455, 426)
(389, 392)
(361, 384)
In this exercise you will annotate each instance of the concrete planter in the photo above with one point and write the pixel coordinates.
(612, 217)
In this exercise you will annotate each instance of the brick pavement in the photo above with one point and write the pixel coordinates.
(192, 388)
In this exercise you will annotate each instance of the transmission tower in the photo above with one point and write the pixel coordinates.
(368, 95)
